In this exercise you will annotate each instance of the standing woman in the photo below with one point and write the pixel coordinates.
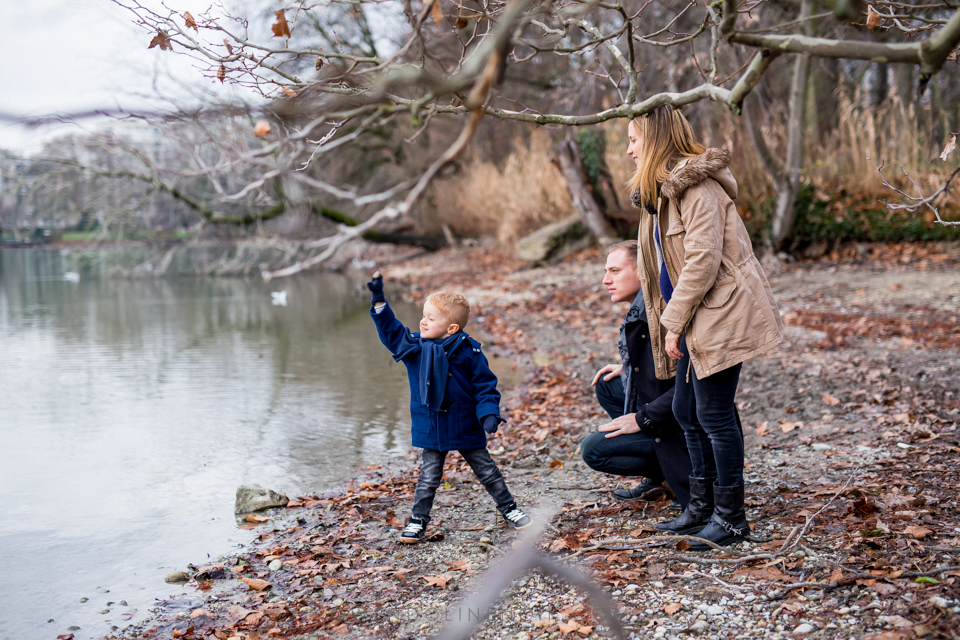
(709, 308)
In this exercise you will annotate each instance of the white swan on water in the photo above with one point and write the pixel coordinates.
(279, 298)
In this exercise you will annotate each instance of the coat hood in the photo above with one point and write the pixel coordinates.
(712, 163)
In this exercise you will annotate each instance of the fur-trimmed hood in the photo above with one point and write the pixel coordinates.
(712, 163)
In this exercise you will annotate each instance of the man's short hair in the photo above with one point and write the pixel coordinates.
(453, 306)
(630, 246)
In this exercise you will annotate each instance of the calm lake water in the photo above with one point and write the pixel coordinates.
(130, 411)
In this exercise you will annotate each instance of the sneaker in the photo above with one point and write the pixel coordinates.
(413, 532)
(640, 492)
(517, 518)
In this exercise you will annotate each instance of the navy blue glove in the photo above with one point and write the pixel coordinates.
(490, 424)
(376, 289)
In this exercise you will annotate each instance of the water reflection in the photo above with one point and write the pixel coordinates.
(131, 410)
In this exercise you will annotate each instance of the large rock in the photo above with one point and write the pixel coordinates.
(554, 241)
(256, 498)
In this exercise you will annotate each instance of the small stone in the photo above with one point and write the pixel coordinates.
(394, 620)
(843, 611)
(103, 611)
(84, 599)
(750, 598)
(123, 603)
(803, 628)
(698, 627)
(937, 601)
(176, 576)
(485, 540)
(337, 602)
(714, 610)
(275, 565)
(256, 498)
(799, 553)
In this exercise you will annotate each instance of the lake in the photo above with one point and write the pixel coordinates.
(130, 411)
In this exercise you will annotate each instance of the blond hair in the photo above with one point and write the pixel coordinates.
(667, 138)
(453, 306)
(630, 246)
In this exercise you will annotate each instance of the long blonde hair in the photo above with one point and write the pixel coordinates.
(667, 139)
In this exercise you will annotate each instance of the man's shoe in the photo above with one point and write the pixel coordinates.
(675, 506)
(414, 531)
(648, 485)
(728, 523)
(516, 518)
(698, 512)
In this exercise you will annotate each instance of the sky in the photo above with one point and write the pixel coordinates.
(69, 56)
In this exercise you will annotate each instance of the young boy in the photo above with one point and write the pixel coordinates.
(454, 400)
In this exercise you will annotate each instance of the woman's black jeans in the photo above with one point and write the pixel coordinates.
(706, 411)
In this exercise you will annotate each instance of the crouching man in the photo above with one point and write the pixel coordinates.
(643, 438)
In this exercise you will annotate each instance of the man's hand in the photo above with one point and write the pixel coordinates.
(672, 345)
(376, 289)
(624, 424)
(611, 370)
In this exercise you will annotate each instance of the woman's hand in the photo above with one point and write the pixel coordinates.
(611, 370)
(619, 426)
(672, 345)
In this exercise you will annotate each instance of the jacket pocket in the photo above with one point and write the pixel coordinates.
(420, 419)
(719, 294)
(466, 417)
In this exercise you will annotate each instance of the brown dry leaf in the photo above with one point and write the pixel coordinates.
(787, 427)
(543, 623)
(161, 40)
(280, 27)
(290, 93)
(462, 22)
(829, 399)
(319, 63)
(556, 464)
(256, 583)
(262, 129)
(221, 75)
(227, 45)
(873, 18)
(949, 147)
(179, 633)
(436, 12)
(255, 518)
(437, 581)
(459, 565)
(585, 630)
(196, 613)
(671, 608)
(236, 613)
(402, 573)
(568, 627)
(682, 545)
(188, 19)
(918, 532)
(884, 588)
(762, 429)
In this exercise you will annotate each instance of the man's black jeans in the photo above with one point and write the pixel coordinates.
(706, 411)
(630, 454)
(486, 470)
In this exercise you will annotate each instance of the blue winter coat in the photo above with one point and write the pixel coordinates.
(471, 393)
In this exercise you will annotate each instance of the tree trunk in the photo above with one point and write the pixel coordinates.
(786, 212)
(881, 85)
(568, 158)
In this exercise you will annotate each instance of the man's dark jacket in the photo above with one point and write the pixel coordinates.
(653, 398)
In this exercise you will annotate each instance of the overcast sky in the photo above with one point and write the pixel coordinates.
(68, 56)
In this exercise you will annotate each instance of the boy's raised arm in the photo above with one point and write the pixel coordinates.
(392, 333)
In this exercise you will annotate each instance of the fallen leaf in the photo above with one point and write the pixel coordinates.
(236, 613)
(459, 565)
(280, 27)
(896, 621)
(926, 580)
(256, 584)
(179, 633)
(585, 630)
(568, 627)
(543, 623)
(949, 147)
(262, 129)
(787, 427)
(762, 429)
(161, 40)
(196, 613)
(884, 589)
(436, 12)
(556, 464)
(829, 399)
(671, 608)
(190, 22)
(255, 518)
(918, 532)
(437, 581)
(682, 545)
(873, 18)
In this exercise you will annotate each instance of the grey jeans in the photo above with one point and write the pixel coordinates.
(486, 470)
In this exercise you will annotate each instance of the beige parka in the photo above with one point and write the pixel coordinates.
(721, 298)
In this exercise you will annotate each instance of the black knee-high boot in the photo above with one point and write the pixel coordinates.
(698, 512)
(729, 522)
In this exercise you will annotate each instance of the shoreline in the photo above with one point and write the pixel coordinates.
(341, 572)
